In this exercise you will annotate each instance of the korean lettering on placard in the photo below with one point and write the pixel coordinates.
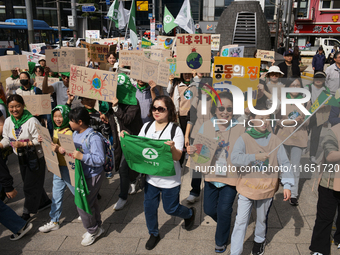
(228, 71)
(137, 68)
(163, 74)
(150, 70)
(12, 62)
(194, 39)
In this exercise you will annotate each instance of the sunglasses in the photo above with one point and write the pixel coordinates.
(159, 109)
(222, 108)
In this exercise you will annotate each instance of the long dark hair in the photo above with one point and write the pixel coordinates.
(169, 104)
(296, 52)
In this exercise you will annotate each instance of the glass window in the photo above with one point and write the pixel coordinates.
(303, 9)
(2, 14)
(219, 3)
(336, 4)
(18, 2)
(227, 2)
(40, 14)
(326, 4)
(54, 18)
(47, 17)
(269, 9)
(20, 13)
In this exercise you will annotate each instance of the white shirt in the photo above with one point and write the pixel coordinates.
(166, 182)
(12, 85)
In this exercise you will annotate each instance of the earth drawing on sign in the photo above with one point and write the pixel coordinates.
(194, 60)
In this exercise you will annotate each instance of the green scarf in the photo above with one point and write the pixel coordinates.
(26, 115)
(290, 97)
(15, 77)
(64, 109)
(142, 88)
(104, 107)
(126, 92)
(91, 110)
(186, 82)
(256, 134)
(23, 88)
(3, 103)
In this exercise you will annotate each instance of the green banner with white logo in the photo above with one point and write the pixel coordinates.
(148, 156)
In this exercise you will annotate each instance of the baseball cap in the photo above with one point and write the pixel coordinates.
(288, 53)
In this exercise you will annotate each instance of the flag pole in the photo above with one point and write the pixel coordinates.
(108, 35)
(329, 97)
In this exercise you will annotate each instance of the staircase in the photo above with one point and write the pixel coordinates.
(245, 29)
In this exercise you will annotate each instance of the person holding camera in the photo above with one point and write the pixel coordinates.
(21, 133)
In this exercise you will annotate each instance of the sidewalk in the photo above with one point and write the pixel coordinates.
(289, 232)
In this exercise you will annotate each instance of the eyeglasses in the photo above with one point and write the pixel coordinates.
(222, 108)
(159, 109)
(274, 74)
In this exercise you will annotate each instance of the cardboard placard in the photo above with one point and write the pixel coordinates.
(91, 83)
(107, 67)
(165, 42)
(163, 74)
(160, 55)
(215, 42)
(147, 53)
(60, 60)
(173, 67)
(265, 55)
(126, 56)
(32, 57)
(240, 72)
(205, 151)
(38, 104)
(193, 53)
(232, 51)
(111, 41)
(150, 70)
(137, 68)
(99, 52)
(39, 80)
(66, 142)
(9, 62)
(50, 156)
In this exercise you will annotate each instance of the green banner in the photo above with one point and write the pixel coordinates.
(168, 21)
(80, 188)
(321, 98)
(148, 156)
(146, 43)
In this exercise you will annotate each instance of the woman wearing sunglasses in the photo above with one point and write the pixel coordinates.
(219, 186)
(163, 114)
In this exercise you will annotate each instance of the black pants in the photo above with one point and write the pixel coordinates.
(35, 195)
(315, 136)
(196, 183)
(183, 124)
(126, 176)
(326, 209)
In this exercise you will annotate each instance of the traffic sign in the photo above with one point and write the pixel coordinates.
(150, 15)
(159, 25)
(70, 21)
(108, 2)
(88, 8)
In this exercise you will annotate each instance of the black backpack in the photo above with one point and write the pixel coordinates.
(173, 129)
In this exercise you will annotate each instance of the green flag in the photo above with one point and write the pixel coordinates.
(126, 92)
(148, 156)
(132, 25)
(168, 21)
(321, 98)
(146, 43)
(80, 188)
(113, 12)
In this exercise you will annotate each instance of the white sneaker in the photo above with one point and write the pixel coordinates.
(79, 218)
(317, 253)
(192, 199)
(90, 238)
(119, 205)
(49, 227)
(132, 189)
(312, 159)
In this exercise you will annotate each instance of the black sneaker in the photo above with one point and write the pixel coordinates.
(258, 248)
(28, 226)
(189, 223)
(26, 217)
(152, 242)
(45, 206)
(220, 249)
(293, 201)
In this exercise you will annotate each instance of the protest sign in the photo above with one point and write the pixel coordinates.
(40, 79)
(92, 36)
(150, 70)
(205, 151)
(265, 55)
(173, 67)
(60, 60)
(12, 62)
(50, 156)
(215, 42)
(32, 57)
(163, 74)
(232, 51)
(137, 67)
(99, 52)
(240, 72)
(38, 104)
(147, 53)
(193, 53)
(126, 56)
(91, 83)
(36, 47)
(160, 55)
(146, 43)
(165, 42)
(66, 143)
(111, 41)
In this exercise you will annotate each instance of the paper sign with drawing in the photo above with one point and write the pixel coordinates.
(38, 104)
(66, 142)
(12, 62)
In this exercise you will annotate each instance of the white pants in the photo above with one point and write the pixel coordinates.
(244, 207)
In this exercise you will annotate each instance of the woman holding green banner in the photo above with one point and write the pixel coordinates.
(163, 115)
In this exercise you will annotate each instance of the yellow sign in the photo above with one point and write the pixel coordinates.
(240, 72)
(142, 5)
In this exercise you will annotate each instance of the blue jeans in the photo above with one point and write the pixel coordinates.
(59, 186)
(10, 219)
(196, 183)
(170, 199)
(218, 204)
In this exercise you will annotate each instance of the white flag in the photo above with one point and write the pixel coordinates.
(184, 19)
(123, 16)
